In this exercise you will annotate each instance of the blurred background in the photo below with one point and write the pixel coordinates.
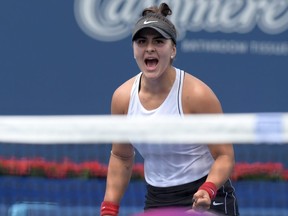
(68, 57)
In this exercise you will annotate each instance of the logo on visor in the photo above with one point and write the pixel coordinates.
(148, 22)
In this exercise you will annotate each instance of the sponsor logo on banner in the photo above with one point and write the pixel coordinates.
(113, 20)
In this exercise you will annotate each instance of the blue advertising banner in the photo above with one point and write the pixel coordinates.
(67, 57)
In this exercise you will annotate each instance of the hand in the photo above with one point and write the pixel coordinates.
(202, 200)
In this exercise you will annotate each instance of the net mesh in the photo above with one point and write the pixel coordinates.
(57, 165)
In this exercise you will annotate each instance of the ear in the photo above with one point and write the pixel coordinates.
(174, 52)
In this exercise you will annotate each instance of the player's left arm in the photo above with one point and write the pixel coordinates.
(223, 153)
(204, 101)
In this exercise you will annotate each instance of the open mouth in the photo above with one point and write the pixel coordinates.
(151, 62)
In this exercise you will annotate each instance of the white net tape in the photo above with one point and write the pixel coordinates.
(209, 128)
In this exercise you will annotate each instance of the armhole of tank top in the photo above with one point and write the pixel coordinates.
(135, 87)
(181, 80)
(139, 83)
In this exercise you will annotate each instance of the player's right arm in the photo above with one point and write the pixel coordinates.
(122, 154)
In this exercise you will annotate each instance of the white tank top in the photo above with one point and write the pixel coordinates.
(169, 165)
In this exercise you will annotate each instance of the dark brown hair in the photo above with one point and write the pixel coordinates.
(163, 9)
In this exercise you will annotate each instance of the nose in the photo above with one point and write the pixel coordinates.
(150, 47)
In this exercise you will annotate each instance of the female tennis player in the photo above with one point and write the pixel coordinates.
(191, 176)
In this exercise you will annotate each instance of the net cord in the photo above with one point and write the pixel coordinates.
(200, 128)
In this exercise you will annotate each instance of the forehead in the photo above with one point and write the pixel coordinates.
(148, 32)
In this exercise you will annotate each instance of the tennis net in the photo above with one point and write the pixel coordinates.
(56, 165)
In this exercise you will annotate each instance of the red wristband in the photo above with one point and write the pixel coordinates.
(109, 208)
(210, 188)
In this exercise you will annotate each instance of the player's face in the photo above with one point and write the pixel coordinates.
(153, 52)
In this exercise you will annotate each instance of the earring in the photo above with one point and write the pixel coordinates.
(172, 57)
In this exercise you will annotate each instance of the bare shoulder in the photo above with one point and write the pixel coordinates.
(121, 97)
(198, 97)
